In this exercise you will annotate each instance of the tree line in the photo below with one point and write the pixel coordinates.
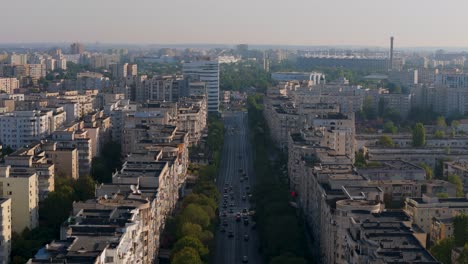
(280, 227)
(189, 234)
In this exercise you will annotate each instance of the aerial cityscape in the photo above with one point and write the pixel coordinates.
(218, 132)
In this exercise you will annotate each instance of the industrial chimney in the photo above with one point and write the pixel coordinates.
(390, 66)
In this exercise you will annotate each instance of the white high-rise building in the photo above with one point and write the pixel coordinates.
(206, 71)
(20, 128)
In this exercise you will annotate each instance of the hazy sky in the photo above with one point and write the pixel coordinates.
(290, 22)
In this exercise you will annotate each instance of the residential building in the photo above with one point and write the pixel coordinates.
(192, 117)
(205, 70)
(76, 48)
(65, 159)
(8, 85)
(5, 231)
(21, 186)
(113, 229)
(21, 128)
(423, 210)
(33, 157)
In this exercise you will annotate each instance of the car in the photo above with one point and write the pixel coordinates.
(233, 198)
(231, 211)
(254, 226)
(225, 190)
(238, 218)
(241, 180)
(232, 205)
(246, 221)
(224, 214)
(244, 197)
(240, 170)
(244, 174)
(245, 259)
(225, 223)
(224, 206)
(222, 229)
(246, 237)
(230, 233)
(247, 187)
(244, 211)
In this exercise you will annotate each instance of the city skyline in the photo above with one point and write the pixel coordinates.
(311, 23)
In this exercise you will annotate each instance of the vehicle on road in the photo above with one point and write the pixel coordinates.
(231, 211)
(225, 223)
(238, 218)
(244, 211)
(230, 234)
(246, 221)
(246, 237)
(245, 259)
(232, 205)
(223, 229)
(244, 197)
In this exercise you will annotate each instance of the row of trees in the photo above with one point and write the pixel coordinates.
(442, 251)
(190, 233)
(280, 228)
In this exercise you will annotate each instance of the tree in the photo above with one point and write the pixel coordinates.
(195, 214)
(463, 259)
(287, 258)
(442, 251)
(419, 135)
(439, 134)
(460, 234)
(360, 159)
(84, 188)
(389, 127)
(455, 179)
(428, 170)
(186, 255)
(440, 122)
(442, 195)
(386, 141)
(192, 242)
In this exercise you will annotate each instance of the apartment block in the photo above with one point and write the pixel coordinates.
(76, 138)
(423, 210)
(65, 159)
(112, 229)
(8, 85)
(21, 186)
(205, 70)
(5, 233)
(34, 158)
(192, 117)
(21, 128)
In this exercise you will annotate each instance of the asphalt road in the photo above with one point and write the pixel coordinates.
(235, 160)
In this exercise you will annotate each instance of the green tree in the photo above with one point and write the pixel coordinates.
(460, 234)
(442, 251)
(439, 134)
(456, 180)
(463, 259)
(419, 135)
(386, 141)
(428, 170)
(440, 122)
(84, 188)
(287, 258)
(389, 127)
(442, 195)
(195, 214)
(186, 255)
(192, 242)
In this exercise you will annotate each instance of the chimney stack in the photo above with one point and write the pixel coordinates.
(391, 54)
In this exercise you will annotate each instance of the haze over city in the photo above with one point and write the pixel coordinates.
(298, 22)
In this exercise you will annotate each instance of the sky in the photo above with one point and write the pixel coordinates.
(414, 23)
